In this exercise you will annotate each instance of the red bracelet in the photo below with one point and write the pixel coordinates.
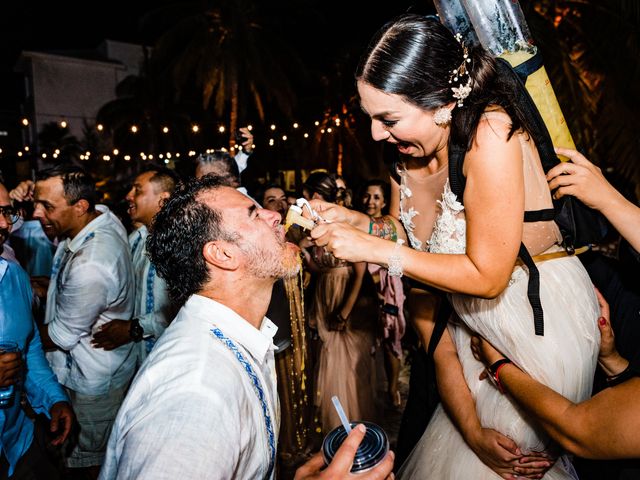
(495, 368)
(497, 376)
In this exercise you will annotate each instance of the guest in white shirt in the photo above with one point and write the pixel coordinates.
(204, 404)
(91, 284)
(153, 309)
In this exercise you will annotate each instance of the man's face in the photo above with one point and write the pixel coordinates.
(145, 198)
(276, 201)
(261, 235)
(5, 226)
(56, 216)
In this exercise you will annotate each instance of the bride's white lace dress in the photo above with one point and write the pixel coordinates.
(564, 358)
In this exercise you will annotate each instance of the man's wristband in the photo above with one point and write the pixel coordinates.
(621, 377)
(494, 371)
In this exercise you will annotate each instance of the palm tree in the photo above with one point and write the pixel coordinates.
(227, 56)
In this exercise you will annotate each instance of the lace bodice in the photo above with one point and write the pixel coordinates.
(446, 233)
(450, 230)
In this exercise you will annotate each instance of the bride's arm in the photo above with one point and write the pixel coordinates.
(494, 204)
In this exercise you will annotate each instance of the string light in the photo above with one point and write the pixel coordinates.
(334, 120)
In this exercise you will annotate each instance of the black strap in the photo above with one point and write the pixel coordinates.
(442, 318)
(457, 180)
(533, 290)
(538, 129)
(540, 215)
(530, 66)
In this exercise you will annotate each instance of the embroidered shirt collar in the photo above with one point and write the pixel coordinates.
(257, 342)
(89, 229)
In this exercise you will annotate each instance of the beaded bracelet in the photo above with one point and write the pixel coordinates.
(395, 260)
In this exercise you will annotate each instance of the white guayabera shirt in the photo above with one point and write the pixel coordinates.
(91, 284)
(153, 306)
(192, 410)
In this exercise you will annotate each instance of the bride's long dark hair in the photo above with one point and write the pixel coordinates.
(413, 56)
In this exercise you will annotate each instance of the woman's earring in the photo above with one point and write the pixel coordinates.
(442, 116)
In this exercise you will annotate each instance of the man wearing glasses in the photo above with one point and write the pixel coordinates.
(26, 371)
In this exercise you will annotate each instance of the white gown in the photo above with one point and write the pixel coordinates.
(564, 358)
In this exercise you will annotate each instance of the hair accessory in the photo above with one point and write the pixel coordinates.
(394, 265)
(462, 91)
(442, 116)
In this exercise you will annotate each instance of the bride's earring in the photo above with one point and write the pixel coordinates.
(442, 116)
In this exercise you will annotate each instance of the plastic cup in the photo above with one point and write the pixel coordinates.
(7, 394)
(372, 450)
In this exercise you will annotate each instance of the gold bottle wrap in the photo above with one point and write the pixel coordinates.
(541, 91)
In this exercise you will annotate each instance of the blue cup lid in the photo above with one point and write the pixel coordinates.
(372, 450)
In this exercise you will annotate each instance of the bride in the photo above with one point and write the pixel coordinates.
(423, 89)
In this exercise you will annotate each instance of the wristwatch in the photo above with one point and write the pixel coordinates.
(135, 330)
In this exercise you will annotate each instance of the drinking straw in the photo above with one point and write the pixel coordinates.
(341, 414)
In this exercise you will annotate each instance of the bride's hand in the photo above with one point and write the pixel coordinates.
(344, 241)
(502, 455)
(331, 212)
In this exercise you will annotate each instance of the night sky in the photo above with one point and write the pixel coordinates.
(323, 27)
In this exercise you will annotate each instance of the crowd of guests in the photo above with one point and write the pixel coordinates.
(208, 341)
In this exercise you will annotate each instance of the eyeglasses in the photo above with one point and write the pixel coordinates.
(9, 213)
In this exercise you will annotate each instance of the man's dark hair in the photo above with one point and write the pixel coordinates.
(164, 177)
(77, 184)
(223, 162)
(178, 234)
